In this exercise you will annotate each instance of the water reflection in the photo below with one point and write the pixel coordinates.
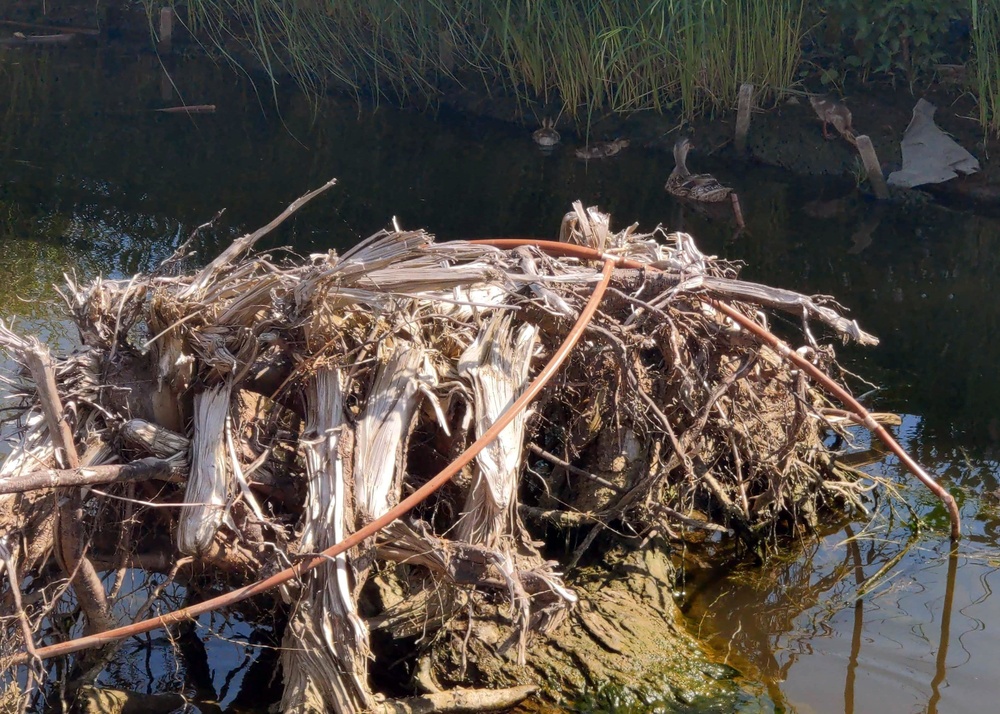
(93, 179)
(871, 611)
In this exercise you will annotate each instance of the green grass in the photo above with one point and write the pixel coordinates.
(588, 55)
(591, 55)
(986, 51)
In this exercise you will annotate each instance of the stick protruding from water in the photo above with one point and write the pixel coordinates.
(744, 107)
(872, 167)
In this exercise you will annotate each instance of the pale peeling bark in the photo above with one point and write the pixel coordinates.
(496, 365)
(384, 426)
(23, 518)
(210, 484)
(325, 655)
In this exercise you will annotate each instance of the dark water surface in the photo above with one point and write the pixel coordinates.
(92, 179)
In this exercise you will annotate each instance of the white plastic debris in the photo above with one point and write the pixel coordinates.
(930, 155)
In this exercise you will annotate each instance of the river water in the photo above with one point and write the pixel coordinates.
(94, 180)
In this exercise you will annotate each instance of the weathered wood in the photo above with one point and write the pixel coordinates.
(744, 107)
(380, 458)
(157, 440)
(60, 39)
(141, 470)
(211, 483)
(189, 109)
(51, 28)
(459, 701)
(325, 647)
(741, 290)
(496, 365)
(872, 167)
(664, 377)
(243, 244)
(166, 35)
(69, 549)
(39, 361)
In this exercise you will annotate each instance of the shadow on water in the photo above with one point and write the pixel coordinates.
(92, 179)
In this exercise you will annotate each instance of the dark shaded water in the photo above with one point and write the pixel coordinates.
(92, 179)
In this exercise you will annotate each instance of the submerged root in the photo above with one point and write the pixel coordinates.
(296, 402)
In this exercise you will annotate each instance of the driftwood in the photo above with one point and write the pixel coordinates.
(68, 541)
(372, 370)
(52, 28)
(22, 39)
(189, 109)
(211, 483)
(325, 654)
(139, 470)
(459, 701)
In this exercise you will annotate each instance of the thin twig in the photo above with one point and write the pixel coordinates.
(576, 471)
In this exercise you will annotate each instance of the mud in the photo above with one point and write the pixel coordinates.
(624, 649)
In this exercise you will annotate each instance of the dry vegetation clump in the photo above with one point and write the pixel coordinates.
(217, 426)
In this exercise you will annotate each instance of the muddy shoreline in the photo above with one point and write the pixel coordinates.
(785, 134)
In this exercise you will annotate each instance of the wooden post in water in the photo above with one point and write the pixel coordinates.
(166, 29)
(872, 167)
(743, 108)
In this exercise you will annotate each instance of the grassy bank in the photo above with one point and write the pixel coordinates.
(986, 41)
(688, 56)
(626, 56)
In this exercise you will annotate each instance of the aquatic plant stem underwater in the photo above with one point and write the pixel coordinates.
(326, 556)
(864, 417)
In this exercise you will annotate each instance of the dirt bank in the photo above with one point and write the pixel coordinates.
(786, 134)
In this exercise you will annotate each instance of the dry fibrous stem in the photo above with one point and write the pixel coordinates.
(140, 470)
(69, 547)
(382, 364)
(360, 535)
(785, 351)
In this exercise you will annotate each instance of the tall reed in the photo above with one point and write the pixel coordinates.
(625, 55)
(986, 50)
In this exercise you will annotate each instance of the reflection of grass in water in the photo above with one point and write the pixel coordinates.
(31, 268)
(22, 90)
(593, 54)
